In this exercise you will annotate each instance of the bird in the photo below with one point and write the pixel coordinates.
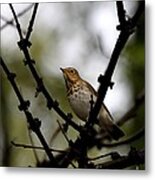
(80, 93)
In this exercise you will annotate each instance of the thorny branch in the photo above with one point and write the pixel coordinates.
(126, 28)
(24, 44)
(34, 123)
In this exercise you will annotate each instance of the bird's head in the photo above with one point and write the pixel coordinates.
(70, 74)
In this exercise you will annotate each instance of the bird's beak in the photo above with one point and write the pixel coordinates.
(62, 70)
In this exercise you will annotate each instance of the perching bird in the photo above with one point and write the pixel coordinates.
(79, 94)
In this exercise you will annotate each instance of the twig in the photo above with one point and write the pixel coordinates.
(136, 136)
(31, 21)
(16, 20)
(121, 13)
(26, 146)
(63, 132)
(104, 155)
(33, 122)
(130, 113)
(70, 143)
(141, 5)
(32, 144)
(54, 135)
(134, 157)
(11, 21)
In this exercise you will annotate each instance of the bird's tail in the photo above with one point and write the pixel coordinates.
(115, 132)
(107, 124)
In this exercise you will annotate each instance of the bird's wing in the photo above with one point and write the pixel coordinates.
(96, 94)
(108, 112)
(91, 88)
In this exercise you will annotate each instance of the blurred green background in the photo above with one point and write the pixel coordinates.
(81, 35)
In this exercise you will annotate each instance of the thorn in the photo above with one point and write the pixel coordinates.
(24, 44)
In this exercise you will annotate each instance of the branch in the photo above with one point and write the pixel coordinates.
(16, 20)
(32, 143)
(114, 155)
(121, 13)
(63, 132)
(8, 22)
(136, 136)
(24, 44)
(26, 146)
(139, 100)
(34, 123)
(131, 113)
(11, 21)
(105, 81)
(134, 157)
(30, 29)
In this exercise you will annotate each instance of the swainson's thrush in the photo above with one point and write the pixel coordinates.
(80, 93)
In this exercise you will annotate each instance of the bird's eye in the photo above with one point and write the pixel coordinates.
(72, 71)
